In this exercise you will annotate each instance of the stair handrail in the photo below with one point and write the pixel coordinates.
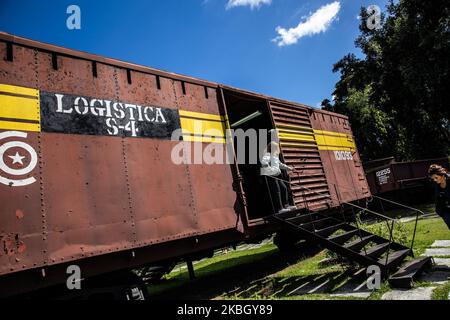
(418, 212)
(391, 229)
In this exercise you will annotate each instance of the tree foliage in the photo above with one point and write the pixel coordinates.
(398, 96)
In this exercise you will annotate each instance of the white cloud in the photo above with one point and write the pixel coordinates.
(316, 23)
(251, 3)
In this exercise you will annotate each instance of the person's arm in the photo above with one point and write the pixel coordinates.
(265, 161)
(285, 167)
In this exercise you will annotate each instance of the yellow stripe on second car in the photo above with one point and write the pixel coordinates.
(325, 140)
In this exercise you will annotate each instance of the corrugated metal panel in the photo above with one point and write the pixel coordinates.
(300, 150)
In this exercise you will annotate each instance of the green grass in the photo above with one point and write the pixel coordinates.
(428, 230)
(427, 208)
(267, 273)
(212, 266)
(441, 292)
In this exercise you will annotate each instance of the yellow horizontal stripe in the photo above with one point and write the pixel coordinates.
(10, 125)
(323, 140)
(203, 127)
(19, 108)
(204, 139)
(296, 137)
(19, 90)
(331, 133)
(205, 116)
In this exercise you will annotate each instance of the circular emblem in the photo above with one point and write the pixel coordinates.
(17, 158)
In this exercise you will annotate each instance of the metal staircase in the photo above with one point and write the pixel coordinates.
(342, 232)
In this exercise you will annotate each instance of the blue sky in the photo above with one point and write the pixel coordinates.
(208, 39)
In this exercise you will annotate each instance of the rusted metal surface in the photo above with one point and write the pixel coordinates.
(160, 192)
(98, 197)
(215, 199)
(85, 196)
(300, 151)
(23, 42)
(343, 167)
(31, 279)
(74, 77)
(23, 71)
(95, 194)
(21, 244)
(393, 176)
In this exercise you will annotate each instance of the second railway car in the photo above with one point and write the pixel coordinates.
(87, 176)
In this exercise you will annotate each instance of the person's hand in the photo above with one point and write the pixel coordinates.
(291, 169)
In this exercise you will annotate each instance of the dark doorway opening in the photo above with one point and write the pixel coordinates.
(248, 112)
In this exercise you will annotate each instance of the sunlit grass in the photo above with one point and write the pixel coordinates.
(230, 271)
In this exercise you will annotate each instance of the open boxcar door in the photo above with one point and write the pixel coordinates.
(299, 149)
(242, 212)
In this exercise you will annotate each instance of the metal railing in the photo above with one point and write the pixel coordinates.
(390, 222)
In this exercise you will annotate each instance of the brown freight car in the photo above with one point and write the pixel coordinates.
(86, 175)
(387, 175)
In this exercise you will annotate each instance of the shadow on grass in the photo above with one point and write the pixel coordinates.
(282, 287)
(216, 279)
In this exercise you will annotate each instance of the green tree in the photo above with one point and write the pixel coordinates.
(398, 96)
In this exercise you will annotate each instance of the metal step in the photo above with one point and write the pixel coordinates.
(329, 230)
(342, 238)
(395, 258)
(287, 215)
(376, 250)
(318, 224)
(322, 227)
(301, 219)
(405, 276)
(358, 244)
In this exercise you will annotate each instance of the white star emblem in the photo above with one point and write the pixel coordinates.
(17, 158)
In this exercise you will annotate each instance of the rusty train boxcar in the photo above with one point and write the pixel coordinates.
(405, 180)
(86, 170)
